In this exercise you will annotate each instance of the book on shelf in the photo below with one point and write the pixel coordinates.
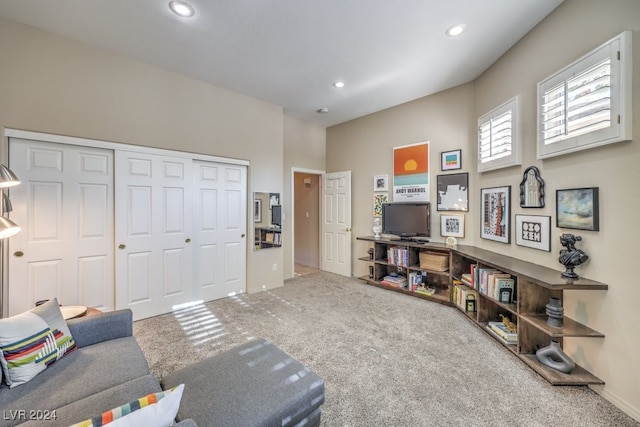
(467, 279)
(473, 272)
(483, 279)
(505, 289)
(425, 289)
(503, 332)
(398, 255)
(492, 290)
(416, 278)
(395, 280)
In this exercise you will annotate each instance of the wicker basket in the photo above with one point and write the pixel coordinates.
(435, 261)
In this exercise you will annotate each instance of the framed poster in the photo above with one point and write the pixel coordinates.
(452, 225)
(411, 173)
(453, 192)
(451, 160)
(534, 231)
(578, 208)
(495, 215)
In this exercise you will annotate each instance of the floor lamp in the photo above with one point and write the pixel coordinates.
(7, 227)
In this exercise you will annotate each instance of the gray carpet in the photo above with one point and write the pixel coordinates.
(387, 359)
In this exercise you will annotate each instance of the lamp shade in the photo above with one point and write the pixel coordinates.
(7, 177)
(7, 228)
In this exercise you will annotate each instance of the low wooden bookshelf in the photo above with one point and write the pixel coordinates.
(534, 285)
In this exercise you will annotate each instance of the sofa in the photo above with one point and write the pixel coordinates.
(254, 384)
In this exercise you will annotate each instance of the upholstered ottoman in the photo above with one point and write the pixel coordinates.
(254, 384)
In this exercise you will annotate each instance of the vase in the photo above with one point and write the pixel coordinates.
(377, 228)
(553, 357)
(555, 312)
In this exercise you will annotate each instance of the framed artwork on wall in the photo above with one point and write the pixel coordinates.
(495, 221)
(578, 208)
(257, 210)
(378, 201)
(381, 183)
(452, 225)
(451, 160)
(534, 231)
(453, 192)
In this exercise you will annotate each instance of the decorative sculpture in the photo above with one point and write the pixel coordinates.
(571, 257)
(555, 312)
(377, 228)
(553, 357)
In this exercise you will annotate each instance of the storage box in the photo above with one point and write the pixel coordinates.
(434, 261)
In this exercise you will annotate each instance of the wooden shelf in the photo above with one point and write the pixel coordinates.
(535, 284)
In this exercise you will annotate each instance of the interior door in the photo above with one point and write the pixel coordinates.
(153, 232)
(336, 223)
(220, 222)
(65, 207)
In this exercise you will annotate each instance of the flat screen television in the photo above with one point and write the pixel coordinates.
(407, 220)
(276, 215)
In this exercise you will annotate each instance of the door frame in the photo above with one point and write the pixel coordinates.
(295, 170)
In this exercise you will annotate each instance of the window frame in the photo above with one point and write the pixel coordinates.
(618, 51)
(515, 156)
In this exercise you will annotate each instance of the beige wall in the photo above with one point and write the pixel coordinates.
(53, 85)
(304, 151)
(448, 120)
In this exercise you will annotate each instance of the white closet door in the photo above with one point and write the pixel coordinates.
(65, 207)
(154, 269)
(220, 223)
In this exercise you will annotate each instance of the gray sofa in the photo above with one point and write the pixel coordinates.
(255, 384)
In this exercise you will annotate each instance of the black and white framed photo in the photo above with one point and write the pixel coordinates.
(495, 223)
(578, 208)
(451, 160)
(534, 231)
(453, 192)
(381, 183)
(452, 225)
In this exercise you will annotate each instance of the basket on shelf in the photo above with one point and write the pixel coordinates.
(434, 261)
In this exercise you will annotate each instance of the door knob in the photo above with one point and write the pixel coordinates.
(242, 235)
(187, 240)
(18, 254)
(347, 229)
(121, 246)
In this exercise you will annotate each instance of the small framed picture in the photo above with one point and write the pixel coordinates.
(451, 160)
(378, 201)
(534, 231)
(578, 208)
(381, 183)
(453, 192)
(495, 223)
(452, 225)
(257, 210)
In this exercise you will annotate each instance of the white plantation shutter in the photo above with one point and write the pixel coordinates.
(498, 138)
(585, 104)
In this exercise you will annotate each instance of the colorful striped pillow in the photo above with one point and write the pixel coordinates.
(31, 341)
(155, 409)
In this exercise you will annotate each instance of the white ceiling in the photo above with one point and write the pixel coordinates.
(289, 52)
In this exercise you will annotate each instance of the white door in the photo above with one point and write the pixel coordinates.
(64, 205)
(336, 223)
(153, 232)
(220, 228)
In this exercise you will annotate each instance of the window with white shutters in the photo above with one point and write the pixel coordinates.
(588, 103)
(499, 137)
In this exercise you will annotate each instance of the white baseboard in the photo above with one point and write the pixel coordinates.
(620, 403)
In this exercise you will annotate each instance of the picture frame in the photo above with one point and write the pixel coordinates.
(495, 221)
(452, 225)
(453, 192)
(381, 183)
(257, 210)
(378, 200)
(451, 160)
(578, 208)
(534, 231)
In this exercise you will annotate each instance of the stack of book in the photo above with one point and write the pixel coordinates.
(398, 255)
(500, 330)
(395, 280)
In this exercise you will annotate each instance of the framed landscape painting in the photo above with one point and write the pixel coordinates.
(495, 216)
(578, 208)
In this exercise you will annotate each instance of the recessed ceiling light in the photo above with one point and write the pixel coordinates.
(181, 8)
(323, 110)
(455, 30)
(339, 84)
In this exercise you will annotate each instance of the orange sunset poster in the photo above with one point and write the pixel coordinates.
(411, 173)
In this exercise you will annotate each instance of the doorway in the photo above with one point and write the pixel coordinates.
(306, 220)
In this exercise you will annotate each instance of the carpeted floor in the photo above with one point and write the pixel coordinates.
(387, 359)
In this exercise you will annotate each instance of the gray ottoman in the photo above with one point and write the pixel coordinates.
(255, 384)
